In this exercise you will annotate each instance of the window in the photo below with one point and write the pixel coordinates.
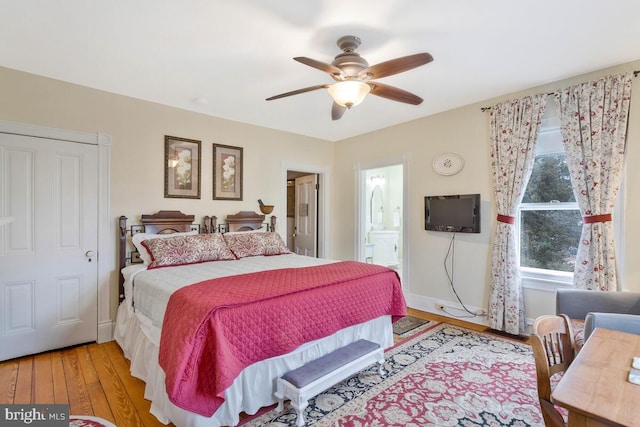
(549, 222)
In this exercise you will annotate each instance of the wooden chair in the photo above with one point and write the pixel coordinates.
(554, 350)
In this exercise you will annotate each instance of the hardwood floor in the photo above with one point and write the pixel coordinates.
(94, 380)
(429, 316)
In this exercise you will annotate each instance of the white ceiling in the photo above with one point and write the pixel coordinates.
(236, 53)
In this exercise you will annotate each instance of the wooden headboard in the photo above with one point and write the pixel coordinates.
(242, 221)
(165, 222)
(245, 221)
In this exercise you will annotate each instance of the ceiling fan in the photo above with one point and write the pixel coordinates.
(354, 77)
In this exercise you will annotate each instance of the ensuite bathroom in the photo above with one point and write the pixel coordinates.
(384, 201)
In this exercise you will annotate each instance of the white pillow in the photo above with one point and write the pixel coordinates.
(140, 237)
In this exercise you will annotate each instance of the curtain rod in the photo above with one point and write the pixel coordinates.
(483, 109)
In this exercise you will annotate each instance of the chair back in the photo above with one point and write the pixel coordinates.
(553, 348)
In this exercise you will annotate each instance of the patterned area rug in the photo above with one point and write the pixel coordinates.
(410, 325)
(87, 421)
(446, 376)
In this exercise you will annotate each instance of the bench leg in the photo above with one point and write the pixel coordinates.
(381, 370)
(300, 405)
(280, 396)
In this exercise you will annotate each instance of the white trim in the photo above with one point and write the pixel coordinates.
(406, 159)
(26, 129)
(324, 221)
(544, 284)
(105, 239)
(359, 245)
(428, 304)
(105, 231)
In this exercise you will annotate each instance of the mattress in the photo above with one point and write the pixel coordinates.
(165, 281)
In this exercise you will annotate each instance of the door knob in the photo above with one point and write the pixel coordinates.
(89, 254)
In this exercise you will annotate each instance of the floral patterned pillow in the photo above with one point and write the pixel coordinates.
(254, 244)
(181, 250)
(138, 238)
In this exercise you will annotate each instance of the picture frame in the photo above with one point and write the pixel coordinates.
(181, 167)
(227, 172)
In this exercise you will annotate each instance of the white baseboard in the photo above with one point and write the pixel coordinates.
(452, 309)
(105, 331)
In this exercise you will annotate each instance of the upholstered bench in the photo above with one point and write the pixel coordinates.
(318, 375)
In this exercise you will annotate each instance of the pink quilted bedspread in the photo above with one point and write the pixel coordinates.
(214, 329)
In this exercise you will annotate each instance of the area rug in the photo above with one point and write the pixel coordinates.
(87, 421)
(446, 376)
(410, 325)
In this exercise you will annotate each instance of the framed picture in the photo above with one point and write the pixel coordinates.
(227, 172)
(181, 168)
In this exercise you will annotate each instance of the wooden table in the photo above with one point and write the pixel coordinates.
(595, 389)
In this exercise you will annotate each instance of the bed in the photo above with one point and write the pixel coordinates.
(272, 311)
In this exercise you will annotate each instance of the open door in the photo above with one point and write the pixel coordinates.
(306, 215)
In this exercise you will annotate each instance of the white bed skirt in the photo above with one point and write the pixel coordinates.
(254, 387)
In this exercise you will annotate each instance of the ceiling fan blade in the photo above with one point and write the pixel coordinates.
(394, 93)
(298, 91)
(395, 66)
(322, 66)
(337, 111)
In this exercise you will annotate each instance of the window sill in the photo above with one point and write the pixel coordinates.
(543, 280)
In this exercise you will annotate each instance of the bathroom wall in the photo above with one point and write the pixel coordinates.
(391, 195)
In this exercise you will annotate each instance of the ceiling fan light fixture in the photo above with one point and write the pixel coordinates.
(355, 78)
(349, 93)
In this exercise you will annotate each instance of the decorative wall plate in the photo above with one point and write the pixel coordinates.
(448, 163)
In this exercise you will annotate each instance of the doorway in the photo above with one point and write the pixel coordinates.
(382, 204)
(302, 212)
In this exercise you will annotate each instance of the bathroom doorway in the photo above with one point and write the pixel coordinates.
(381, 219)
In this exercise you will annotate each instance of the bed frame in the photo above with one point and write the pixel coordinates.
(167, 222)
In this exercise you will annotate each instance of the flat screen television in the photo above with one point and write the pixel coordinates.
(458, 213)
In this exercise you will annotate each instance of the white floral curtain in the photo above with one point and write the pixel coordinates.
(514, 130)
(594, 128)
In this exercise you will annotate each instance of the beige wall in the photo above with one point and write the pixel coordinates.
(464, 131)
(137, 129)
(419, 141)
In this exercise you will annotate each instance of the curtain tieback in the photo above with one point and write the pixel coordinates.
(596, 218)
(506, 219)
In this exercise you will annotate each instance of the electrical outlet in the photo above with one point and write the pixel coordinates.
(440, 307)
(481, 312)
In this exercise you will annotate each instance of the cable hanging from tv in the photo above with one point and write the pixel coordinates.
(451, 252)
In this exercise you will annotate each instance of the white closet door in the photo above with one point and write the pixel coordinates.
(48, 254)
